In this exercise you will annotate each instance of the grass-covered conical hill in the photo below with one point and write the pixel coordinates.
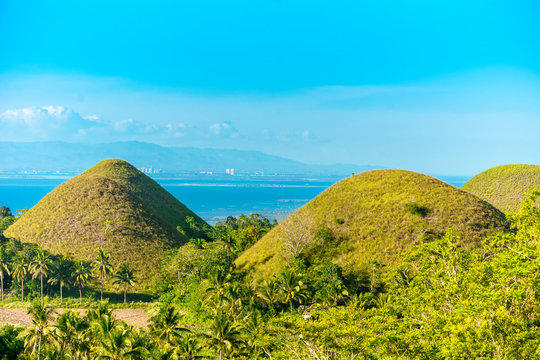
(374, 215)
(112, 206)
(505, 186)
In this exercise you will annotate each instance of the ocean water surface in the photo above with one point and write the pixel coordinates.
(213, 200)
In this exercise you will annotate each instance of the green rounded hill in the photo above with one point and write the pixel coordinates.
(374, 215)
(112, 206)
(505, 186)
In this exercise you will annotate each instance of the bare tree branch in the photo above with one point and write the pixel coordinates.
(298, 233)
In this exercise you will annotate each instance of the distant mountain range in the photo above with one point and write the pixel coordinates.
(50, 157)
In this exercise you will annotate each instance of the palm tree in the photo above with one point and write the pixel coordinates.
(102, 322)
(103, 267)
(238, 296)
(198, 242)
(165, 325)
(33, 337)
(269, 293)
(224, 335)
(189, 348)
(61, 275)
(20, 270)
(70, 334)
(81, 275)
(229, 242)
(219, 282)
(121, 342)
(40, 266)
(292, 287)
(334, 293)
(124, 277)
(4, 268)
(167, 353)
(98, 310)
(254, 330)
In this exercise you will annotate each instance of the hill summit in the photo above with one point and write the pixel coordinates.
(111, 206)
(374, 215)
(505, 186)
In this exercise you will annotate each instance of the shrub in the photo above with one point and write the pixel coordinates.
(416, 209)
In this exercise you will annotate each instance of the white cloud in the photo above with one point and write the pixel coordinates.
(92, 117)
(224, 129)
(358, 124)
(215, 128)
(54, 123)
(43, 123)
(176, 130)
(133, 127)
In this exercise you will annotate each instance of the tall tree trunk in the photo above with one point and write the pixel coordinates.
(61, 299)
(125, 292)
(34, 347)
(39, 347)
(2, 279)
(62, 350)
(41, 278)
(80, 294)
(229, 254)
(22, 290)
(102, 286)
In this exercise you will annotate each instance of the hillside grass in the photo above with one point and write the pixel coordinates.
(111, 206)
(376, 215)
(505, 186)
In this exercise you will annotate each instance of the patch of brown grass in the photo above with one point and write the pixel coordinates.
(505, 186)
(376, 215)
(111, 206)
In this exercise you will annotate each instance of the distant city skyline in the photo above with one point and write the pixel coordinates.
(438, 87)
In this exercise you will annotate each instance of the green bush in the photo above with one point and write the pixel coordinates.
(416, 209)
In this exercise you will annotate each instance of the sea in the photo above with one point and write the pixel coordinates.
(212, 199)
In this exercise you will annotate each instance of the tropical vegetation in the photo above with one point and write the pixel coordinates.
(454, 292)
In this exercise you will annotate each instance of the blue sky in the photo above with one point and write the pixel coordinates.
(448, 87)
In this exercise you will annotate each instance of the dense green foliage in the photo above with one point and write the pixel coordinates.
(444, 300)
(27, 272)
(99, 335)
(505, 186)
(5, 212)
(241, 233)
(111, 206)
(10, 345)
(373, 216)
(5, 223)
(437, 298)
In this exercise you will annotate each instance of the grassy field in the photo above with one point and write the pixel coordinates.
(505, 186)
(375, 216)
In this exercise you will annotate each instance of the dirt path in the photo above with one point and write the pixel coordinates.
(135, 317)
